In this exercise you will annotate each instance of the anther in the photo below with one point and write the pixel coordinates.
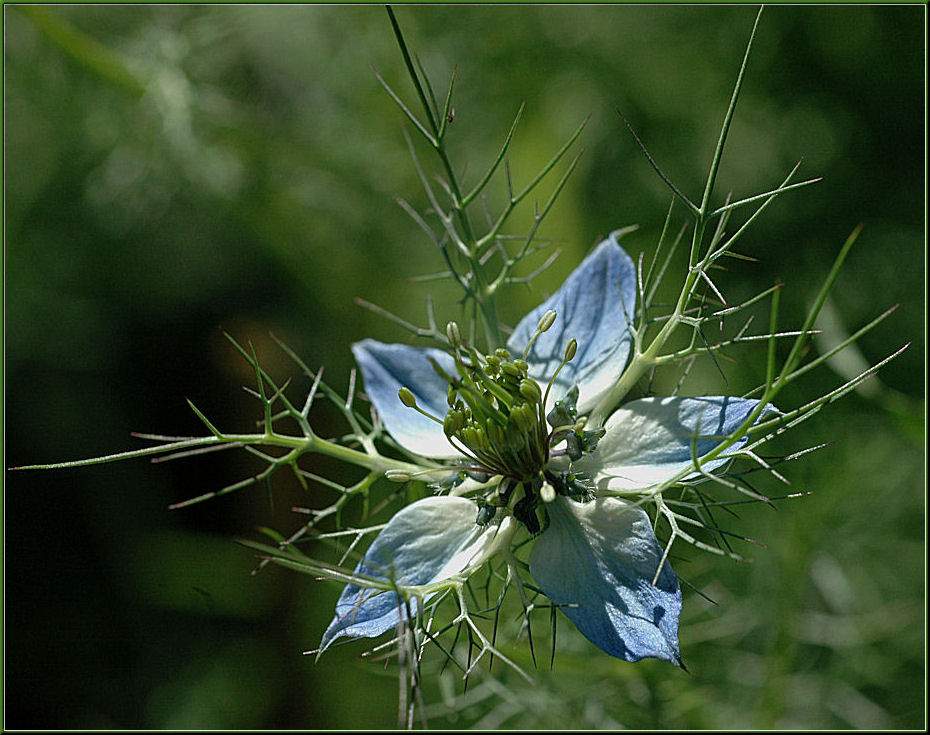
(453, 334)
(547, 320)
(547, 493)
(410, 401)
(570, 349)
(530, 390)
(511, 369)
(407, 398)
(453, 422)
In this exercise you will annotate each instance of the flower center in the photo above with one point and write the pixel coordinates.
(497, 418)
(496, 412)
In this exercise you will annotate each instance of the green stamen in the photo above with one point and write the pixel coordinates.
(570, 349)
(497, 419)
(547, 320)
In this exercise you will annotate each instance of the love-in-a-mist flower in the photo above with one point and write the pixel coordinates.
(514, 422)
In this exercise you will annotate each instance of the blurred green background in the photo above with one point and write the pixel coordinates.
(174, 170)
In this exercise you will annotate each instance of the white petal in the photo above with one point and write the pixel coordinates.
(651, 440)
(428, 541)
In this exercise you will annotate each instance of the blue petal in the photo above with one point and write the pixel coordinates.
(427, 541)
(386, 368)
(598, 560)
(595, 306)
(651, 440)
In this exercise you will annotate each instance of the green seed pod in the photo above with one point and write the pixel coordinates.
(571, 398)
(590, 439)
(521, 365)
(562, 414)
(573, 446)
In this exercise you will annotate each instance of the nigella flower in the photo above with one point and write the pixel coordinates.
(517, 418)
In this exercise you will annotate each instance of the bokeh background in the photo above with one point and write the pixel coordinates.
(173, 171)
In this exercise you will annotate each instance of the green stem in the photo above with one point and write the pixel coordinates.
(643, 361)
(725, 128)
(483, 290)
(374, 462)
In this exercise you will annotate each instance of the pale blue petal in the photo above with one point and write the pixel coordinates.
(595, 306)
(427, 541)
(651, 440)
(386, 368)
(597, 561)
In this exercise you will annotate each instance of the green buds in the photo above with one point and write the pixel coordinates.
(546, 321)
(453, 334)
(407, 398)
(497, 419)
(530, 390)
(397, 475)
(570, 349)
(496, 413)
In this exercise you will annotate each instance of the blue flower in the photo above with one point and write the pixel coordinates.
(595, 554)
